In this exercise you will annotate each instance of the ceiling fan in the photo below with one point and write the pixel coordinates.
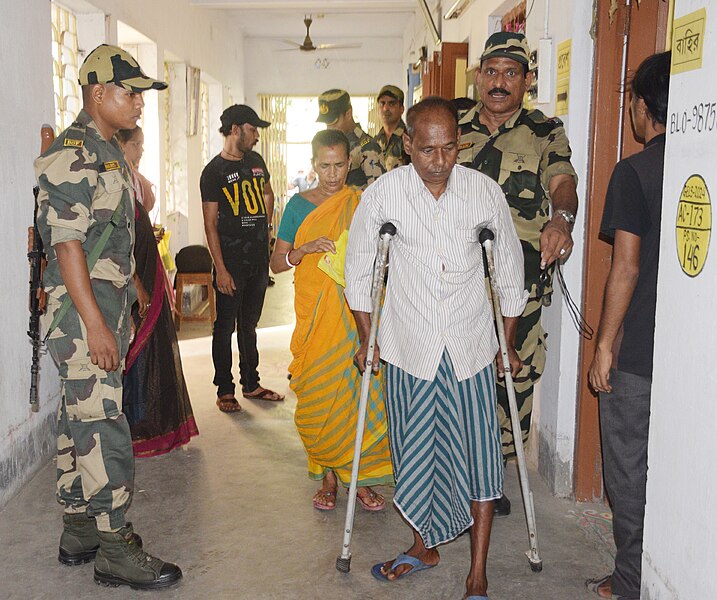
(308, 44)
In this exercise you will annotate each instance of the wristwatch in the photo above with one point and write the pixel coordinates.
(567, 215)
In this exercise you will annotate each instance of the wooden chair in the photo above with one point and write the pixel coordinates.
(194, 267)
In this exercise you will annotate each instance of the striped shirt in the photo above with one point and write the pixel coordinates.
(435, 296)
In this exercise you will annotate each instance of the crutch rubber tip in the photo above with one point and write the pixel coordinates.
(387, 228)
(485, 235)
(536, 566)
(343, 565)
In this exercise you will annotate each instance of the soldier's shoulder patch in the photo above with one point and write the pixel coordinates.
(74, 136)
(365, 140)
(110, 165)
(465, 146)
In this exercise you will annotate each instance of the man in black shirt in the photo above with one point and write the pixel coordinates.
(238, 203)
(622, 368)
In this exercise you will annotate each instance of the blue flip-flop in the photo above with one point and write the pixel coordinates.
(477, 598)
(402, 559)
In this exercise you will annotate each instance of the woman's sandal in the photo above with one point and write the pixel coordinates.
(325, 495)
(227, 403)
(371, 495)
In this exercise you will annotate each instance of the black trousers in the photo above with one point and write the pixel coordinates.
(240, 311)
(624, 422)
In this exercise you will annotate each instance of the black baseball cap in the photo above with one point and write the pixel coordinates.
(238, 114)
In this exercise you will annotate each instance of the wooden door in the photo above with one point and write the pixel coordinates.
(642, 27)
(439, 74)
(454, 61)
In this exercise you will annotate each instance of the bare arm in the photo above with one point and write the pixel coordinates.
(100, 340)
(269, 202)
(278, 257)
(511, 328)
(619, 289)
(284, 248)
(363, 323)
(225, 282)
(143, 299)
(557, 234)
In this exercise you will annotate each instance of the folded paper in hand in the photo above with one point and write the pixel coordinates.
(333, 264)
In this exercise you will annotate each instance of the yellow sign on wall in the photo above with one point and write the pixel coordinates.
(688, 35)
(694, 225)
(562, 83)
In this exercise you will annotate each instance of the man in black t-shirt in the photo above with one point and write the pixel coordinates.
(622, 368)
(238, 203)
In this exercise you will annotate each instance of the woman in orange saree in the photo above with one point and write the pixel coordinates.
(325, 339)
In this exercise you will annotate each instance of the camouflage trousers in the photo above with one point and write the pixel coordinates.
(95, 463)
(530, 346)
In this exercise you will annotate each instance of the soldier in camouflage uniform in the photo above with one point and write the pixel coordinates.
(528, 155)
(366, 157)
(390, 136)
(85, 188)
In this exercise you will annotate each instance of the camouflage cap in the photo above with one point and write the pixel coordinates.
(110, 64)
(392, 91)
(507, 44)
(332, 104)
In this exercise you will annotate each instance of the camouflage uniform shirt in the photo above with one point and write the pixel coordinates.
(394, 154)
(366, 159)
(82, 178)
(522, 155)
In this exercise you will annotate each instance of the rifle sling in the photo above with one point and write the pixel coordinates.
(92, 258)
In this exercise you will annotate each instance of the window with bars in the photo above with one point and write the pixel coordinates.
(65, 66)
(204, 120)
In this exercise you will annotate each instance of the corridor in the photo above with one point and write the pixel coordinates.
(233, 509)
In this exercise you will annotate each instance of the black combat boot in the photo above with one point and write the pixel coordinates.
(120, 561)
(79, 541)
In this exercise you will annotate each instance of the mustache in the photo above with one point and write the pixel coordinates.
(499, 90)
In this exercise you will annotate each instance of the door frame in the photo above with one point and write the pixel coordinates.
(636, 30)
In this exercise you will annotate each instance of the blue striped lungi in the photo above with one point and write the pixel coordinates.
(445, 447)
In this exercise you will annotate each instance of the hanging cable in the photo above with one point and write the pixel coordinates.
(579, 321)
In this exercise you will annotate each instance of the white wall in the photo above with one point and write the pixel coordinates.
(557, 395)
(26, 103)
(680, 527)
(553, 440)
(359, 71)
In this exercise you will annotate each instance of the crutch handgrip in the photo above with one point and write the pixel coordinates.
(387, 228)
(485, 235)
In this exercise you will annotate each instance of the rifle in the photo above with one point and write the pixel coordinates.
(38, 260)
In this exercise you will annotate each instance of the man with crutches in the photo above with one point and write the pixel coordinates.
(437, 338)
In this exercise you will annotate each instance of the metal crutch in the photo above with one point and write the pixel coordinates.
(486, 237)
(386, 233)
